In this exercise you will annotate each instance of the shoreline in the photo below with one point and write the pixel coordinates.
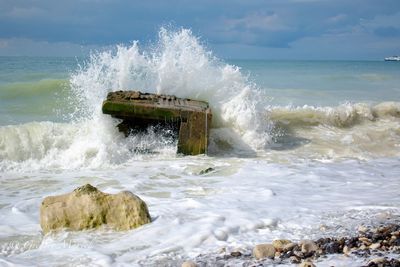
(370, 246)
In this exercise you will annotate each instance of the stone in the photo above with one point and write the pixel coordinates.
(294, 259)
(365, 240)
(262, 251)
(189, 119)
(362, 229)
(352, 242)
(396, 242)
(307, 264)
(189, 264)
(396, 233)
(375, 246)
(87, 207)
(236, 253)
(208, 170)
(377, 261)
(289, 246)
(332, 247)
(280, 244)
(308, 246)
(346, 250)
(298, 254)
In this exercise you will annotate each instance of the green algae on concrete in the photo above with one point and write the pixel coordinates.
(191, 117)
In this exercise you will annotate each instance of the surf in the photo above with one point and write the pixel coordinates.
(246, 121)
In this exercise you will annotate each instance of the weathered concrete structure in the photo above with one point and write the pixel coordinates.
(191, 119)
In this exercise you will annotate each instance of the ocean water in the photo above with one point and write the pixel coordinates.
(298, 149)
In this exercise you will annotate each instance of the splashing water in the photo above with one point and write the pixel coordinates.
(245, 123)
(181, 66)
(177, 64)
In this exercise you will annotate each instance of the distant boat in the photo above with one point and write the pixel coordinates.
(392, 58)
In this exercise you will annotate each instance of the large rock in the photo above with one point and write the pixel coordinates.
(87, 207)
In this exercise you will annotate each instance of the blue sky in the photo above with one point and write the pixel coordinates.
(255, 29)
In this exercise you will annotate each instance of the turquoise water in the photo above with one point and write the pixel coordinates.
(325, 83)
(266, 102)
(38, 89)
(35, 88)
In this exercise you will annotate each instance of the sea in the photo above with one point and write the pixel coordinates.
(298, 150)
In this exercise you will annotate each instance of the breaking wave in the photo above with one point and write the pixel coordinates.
(346, 115)
(244, 120)
(39, 88)
(177, 64)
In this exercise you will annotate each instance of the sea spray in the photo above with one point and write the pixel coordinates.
(245, 121)
(178, 65)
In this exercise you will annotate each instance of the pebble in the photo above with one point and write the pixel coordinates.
(289, 246)
(189, 264)
(262, 251)
(362, 229)
(369, 242)
(377, 261)
(280, 244)
(308, 246)
(375, 246)
(307, 264)
(365, 240)
(236, 253)
(346, 250)
(294, 259)
(298, 254)
(208, 170)
(332, 248)
(384, 262)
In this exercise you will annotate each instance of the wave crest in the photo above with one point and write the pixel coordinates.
(346, 115)
(178, 64)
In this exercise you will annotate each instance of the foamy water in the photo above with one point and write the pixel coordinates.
(283, 166)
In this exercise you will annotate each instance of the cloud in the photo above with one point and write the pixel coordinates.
(274, 24)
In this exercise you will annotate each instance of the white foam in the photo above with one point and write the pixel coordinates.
(179, 65)
(258, 202)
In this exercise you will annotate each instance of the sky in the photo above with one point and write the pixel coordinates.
(231, 29)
